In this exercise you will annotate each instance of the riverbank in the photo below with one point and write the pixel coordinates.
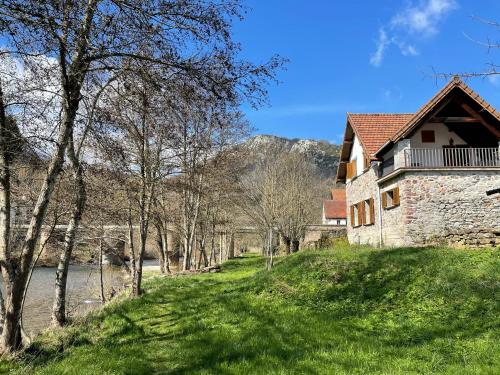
(351, 310)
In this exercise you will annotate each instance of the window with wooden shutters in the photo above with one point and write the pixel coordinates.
(390, 198)
(370, 209)
(353, 218)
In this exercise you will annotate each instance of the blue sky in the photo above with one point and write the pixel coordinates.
(362, 56)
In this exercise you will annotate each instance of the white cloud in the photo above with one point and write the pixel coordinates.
(424, 18)
(413, 22)
(392, 94)
(407, 49)
(382, 43)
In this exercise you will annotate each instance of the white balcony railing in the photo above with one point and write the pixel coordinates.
(452, 157)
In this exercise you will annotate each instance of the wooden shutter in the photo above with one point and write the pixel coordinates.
(354, 168)
(361, 213)
(395, 196)
(367, 163)
(349, 171)
(428, 136)
(372, 211)
(384, 199)
(353, 222)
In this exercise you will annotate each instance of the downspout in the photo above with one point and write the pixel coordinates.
(379, 215)
(379, 209)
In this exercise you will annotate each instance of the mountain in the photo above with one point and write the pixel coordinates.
(323, 154)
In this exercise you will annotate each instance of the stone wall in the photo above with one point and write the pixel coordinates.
(450, 207)
(393, 227)
(437, 207)
(361, 188)
(314, 233)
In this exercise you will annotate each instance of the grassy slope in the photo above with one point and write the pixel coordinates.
(395, 311)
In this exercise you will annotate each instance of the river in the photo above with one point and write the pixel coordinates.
(82, 293)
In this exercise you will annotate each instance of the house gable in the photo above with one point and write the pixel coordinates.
(456, 109)
(456, 115)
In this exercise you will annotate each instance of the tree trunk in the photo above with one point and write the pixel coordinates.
(101, 279)
(203, 254)
(15, 283)
(288, 243)
(160, 243)
(5, 261)
(136, 284)
(164, 250)
(270, 251)
(59, 306)
(230, 253)
(130, 239)
(220, 248)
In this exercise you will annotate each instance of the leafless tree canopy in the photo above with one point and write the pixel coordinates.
(147, 90)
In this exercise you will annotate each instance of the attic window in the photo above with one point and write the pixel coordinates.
(428, 136)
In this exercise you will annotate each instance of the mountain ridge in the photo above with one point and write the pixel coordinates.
(323, 154)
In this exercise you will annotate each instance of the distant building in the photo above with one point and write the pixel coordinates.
(334, 209)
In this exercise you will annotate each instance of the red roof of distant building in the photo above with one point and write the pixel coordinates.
(334, 209)
(338, 194)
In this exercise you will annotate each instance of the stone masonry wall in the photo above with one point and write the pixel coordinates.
(359, 189)
(450, 207)
(393, 227)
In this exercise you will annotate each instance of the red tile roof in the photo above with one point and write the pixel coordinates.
(338, 194)
(334, 209)
(374, 129)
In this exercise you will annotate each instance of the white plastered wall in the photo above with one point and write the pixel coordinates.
(442, 137)
(357, 153)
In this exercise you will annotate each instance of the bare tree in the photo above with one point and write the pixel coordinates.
(491, 45)
(278, 197)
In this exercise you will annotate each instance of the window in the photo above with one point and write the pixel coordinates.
(351, 169)
(390, 198)
(369, 212)
(428, 136)
(356, 215)
(363, 213)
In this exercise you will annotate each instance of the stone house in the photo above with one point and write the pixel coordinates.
(334, 209)
(424, 178)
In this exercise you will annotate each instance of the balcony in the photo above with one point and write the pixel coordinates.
(453, 157)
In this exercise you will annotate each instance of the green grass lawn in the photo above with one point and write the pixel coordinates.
(342, 311)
